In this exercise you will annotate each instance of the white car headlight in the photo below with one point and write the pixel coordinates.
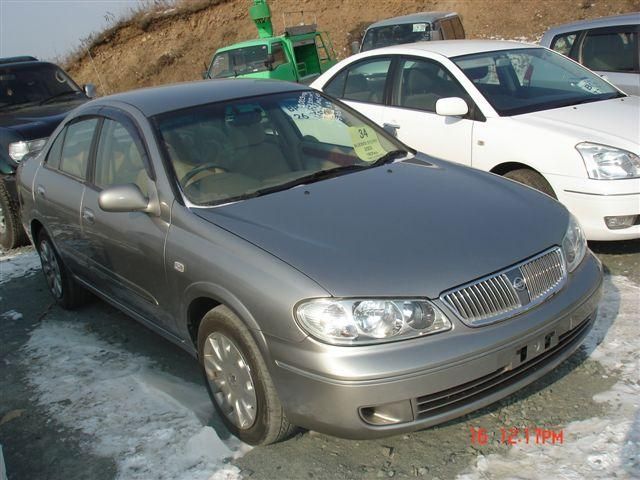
(17, 150)
(608, 163)
(366, 321)
(574, 244)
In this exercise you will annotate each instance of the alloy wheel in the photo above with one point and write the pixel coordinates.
(3, 221)
(229, 377)
(51, 268)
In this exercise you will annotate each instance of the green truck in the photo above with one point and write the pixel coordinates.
(300, 54)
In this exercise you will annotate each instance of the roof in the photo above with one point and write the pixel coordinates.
(155, 100)
(451, 48)
(626, 19)
(20, 59)
(421, 17)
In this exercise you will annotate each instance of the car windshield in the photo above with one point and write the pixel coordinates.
(532, 79)
(239, 61)
(244, 148)
(22, 85)
(379, 37)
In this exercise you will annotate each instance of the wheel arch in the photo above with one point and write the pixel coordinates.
(506, 167)
(35, 228)
(201, 298)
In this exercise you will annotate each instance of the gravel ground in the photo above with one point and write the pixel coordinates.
(38, 445)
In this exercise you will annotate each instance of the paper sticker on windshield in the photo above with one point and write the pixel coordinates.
(328, 114)
(366, 143)
(419, 27)
(587, 86)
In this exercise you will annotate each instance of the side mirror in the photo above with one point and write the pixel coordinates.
(452, 107)
(89, 90)
(270, 61)
(123, 198)
(355, 47)
(205, 73)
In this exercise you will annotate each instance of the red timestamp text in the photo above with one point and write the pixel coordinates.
(517, 436)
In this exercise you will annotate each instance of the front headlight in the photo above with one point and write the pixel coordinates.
(365, 321)
(608, 163)
(17, 150)
(574, 244)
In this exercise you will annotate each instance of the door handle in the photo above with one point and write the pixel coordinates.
(40, 191)
(392, 128)
(88, 216)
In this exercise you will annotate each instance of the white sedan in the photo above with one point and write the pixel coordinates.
(514, 109)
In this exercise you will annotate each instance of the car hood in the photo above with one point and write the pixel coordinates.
(407, 229)
(614, 122)
(37, 121)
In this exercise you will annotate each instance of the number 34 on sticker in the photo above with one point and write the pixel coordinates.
(366, 143)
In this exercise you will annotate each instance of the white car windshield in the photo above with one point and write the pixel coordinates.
(245, 148)
(532, 79)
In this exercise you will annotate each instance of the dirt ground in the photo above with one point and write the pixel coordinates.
(38, 446)
(173, 45)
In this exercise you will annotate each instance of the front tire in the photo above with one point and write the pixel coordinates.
(532, 179)
(238, 380)
(12, 234)
(64, 289)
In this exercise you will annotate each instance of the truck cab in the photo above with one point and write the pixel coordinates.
(300, 54)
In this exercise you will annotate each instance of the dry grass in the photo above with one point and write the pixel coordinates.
(143, 16)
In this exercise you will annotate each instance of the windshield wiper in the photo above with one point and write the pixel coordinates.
(311, 178)
(59, 95)
(389, 157)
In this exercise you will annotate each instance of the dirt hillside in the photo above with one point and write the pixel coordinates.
(172, 44)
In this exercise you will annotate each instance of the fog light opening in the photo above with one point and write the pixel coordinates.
(388, 414)
(620, 222)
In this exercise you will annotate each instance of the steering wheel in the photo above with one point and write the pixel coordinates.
(205, 166)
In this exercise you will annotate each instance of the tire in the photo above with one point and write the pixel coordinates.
(532, 179)
(64, 289)
(12, 234)
(261, 420)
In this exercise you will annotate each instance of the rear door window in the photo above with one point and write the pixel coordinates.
(366, 81)
(53, 157)
(77, 146)
(611, 49)
(447, 30)
(458, 29)
(564, 43)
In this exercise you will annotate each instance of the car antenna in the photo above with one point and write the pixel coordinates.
(102, 85)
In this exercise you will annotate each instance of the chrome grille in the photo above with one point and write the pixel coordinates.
(507, 293)
(543, 273)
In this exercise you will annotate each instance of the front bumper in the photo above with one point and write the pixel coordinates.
(593, 200)
(325, 388)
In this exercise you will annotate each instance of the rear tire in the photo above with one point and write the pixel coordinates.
(532, 179)
(64, 289)
(236, 375)
(12, 234)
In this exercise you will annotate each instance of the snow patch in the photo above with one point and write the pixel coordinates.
(18, 264)
(153, 424)
(596, 448)
(11, 315)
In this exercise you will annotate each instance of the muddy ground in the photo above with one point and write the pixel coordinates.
(36, 446)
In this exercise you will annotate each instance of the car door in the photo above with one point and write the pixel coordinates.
(59, 187)
(363, 85)
(613, 53)
(418, 84)
(127, 247)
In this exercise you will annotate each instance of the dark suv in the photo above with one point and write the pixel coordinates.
(34, 98)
